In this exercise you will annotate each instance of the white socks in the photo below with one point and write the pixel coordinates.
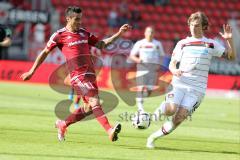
(167, 128)
(140, 104)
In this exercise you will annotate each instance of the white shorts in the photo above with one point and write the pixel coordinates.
(186, 98)
(147, 75)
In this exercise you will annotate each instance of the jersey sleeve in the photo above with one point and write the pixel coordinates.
(135, 49)
(177, 52)
(218, 49)
(53, 41)
(92, 40)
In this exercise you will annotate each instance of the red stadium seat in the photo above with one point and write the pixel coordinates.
(193, 4)
(164, 35)
(174, 18)
(103, 5)
(146, 16)
(160, 10)
(178, 11)
(168, 10)
(149, 8)
(168, 19)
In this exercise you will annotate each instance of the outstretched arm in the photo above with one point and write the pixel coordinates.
(105, 42)
(41, 57)
(227, 35)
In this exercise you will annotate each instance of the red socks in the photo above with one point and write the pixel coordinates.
(76, 116)
(79, 114)
(100, 116)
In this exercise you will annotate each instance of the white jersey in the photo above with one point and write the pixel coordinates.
(195, 57)
(149, 52)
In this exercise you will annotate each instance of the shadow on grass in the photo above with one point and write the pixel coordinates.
(194, 150)
(124, 136)
(57, 156)
(178, 150)
(137, 147)
(178, 139)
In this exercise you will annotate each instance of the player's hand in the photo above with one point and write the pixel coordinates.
(125, 28)
(177, 72)
(227, 31)
(26, 76)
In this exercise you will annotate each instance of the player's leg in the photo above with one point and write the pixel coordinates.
(168, 108)
(71, 94)
(67, 81)
(164, 110)
(189, 103)
(90, 92)
(167, 127)
(102, 118)
(86, 106)
(76, 101)
(151, 78)
(140, 98)
(180, 115)
(74, 117)
(146, 80)
(141, 82)
(79, 114)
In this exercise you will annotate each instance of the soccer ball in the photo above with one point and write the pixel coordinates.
(141, 120)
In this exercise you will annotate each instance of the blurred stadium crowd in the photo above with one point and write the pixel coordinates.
(33, 21)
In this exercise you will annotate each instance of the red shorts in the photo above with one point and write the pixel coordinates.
(85, 86)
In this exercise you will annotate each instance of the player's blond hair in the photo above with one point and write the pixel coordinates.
(199, 16)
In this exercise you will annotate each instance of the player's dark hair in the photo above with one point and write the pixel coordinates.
(72, 9)
(199, 16)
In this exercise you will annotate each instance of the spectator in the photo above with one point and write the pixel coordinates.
(5, 41)
(123, 13)
(135, 19)
(123, 6)
(113, 18)
(161, 2)
(152, 2)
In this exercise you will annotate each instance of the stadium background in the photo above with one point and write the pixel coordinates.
(33, 21)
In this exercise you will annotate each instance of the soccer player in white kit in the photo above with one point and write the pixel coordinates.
(147, 53)
(190, 79)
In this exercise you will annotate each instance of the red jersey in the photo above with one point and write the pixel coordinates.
(76, 48)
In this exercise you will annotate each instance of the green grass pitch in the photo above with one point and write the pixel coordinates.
(27, 130)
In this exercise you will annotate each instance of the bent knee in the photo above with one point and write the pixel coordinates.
(170, 109)
(93, 101)
(87, 107)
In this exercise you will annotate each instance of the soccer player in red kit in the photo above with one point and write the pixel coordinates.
(75, 42)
